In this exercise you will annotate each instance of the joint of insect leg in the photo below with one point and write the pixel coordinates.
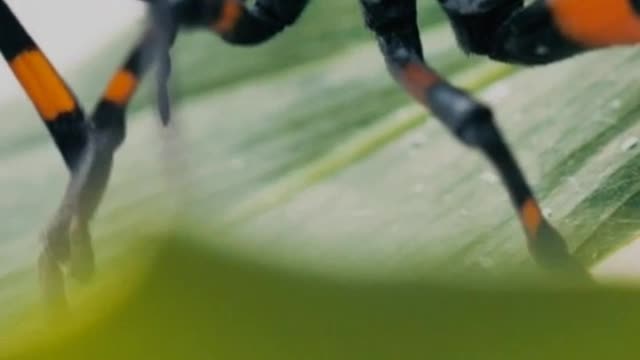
(382, 16)
(75, 137)
(475, 23)
(109, 128)
(470, 121)
(277, 12)
(195, 13)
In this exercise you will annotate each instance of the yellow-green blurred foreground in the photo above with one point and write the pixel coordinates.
(193, 302)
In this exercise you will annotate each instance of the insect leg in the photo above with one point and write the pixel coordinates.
(48, 92)
(86, 147)
(238, 23)
(66, 123)
(107, 132)
(394, 23)
(164, 29)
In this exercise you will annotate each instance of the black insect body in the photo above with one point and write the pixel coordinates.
(505, 30)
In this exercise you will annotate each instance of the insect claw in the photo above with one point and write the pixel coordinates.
(82, 258)
(52, 281)
(164, 101)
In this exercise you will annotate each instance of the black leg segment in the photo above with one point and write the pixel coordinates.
(240, 24)
(394, 23)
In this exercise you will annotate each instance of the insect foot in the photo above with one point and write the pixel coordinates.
(550, 250)
(52, 280)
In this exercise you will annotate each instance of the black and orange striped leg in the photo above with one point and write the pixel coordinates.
(86, 146)
(233, 20)
(66, 123)
(394, 22)
(106, 134)
(50, 95)
(238, 23)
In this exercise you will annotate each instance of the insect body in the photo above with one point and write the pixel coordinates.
(505, 30)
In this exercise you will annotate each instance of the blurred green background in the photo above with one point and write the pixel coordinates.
(320, 167)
